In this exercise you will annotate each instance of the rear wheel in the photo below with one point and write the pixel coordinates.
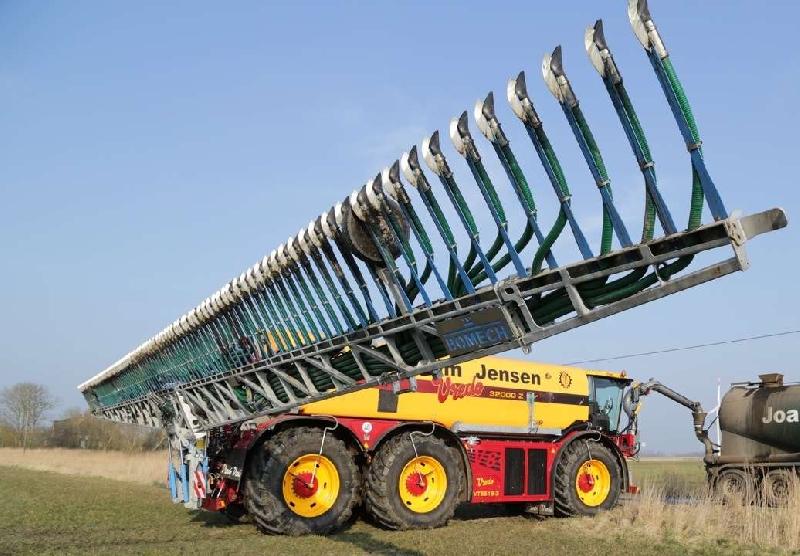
(777, 487)
(414, 489)
(735, 487)
(293, 489)
(587, 479)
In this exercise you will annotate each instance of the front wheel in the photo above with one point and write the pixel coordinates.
(588, 479)
(414, 485)
(293, 488)
(735, 487)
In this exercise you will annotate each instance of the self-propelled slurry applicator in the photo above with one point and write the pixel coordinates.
(290, 392)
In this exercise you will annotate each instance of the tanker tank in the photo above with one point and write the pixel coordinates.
(761, 423)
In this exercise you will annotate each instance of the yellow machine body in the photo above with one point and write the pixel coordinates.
(487, 392)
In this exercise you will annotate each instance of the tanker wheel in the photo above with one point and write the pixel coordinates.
(735, 487)
(293, 489)
(587, 479)
(414, 489)
(777, 487)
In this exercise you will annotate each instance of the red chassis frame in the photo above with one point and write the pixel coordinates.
(503, 469)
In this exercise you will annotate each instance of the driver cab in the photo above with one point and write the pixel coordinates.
(605, 401)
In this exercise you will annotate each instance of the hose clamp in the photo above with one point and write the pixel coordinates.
(693, 146)
(645, 164)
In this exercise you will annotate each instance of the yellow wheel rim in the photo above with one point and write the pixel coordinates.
(593, 482)
(311, 485)
(422, 484)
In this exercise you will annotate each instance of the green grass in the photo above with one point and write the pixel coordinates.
(47, 513)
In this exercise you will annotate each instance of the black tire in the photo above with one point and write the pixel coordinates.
(777, 486)
(735, 487)
(269, 463)
(572, 458)
(383, 501)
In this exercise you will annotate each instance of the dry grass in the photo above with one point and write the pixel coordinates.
(697, 522)
(138, 467)
(697, 517)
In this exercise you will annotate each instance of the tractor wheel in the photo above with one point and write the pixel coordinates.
(777, 487)
(735, 487)
(587, 479)
(293, 489)
(414, 489)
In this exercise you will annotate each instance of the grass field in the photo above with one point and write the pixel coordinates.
(56, 513)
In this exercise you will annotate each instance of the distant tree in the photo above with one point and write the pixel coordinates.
(80, 429)
(23, 407)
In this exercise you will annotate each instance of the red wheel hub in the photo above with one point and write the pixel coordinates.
(417, 484)
(585, 482)
(303, 487)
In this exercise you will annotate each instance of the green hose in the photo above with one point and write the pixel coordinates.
(561, 220)
(456, 286)
(505, 153)
(649, 223)
(698, 197)
(424, 240)
(412, 290)
(473, 268)
(492, 192)
(450, 183)
(549, 240)
(608, 231)
(648, 226)
(680, 95)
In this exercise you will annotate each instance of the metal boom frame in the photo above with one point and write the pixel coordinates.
(213, 402)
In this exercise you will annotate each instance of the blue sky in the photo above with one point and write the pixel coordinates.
(149, 152)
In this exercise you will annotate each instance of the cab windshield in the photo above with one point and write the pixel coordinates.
(606, 398)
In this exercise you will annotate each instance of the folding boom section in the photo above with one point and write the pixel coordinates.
(379, 288)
